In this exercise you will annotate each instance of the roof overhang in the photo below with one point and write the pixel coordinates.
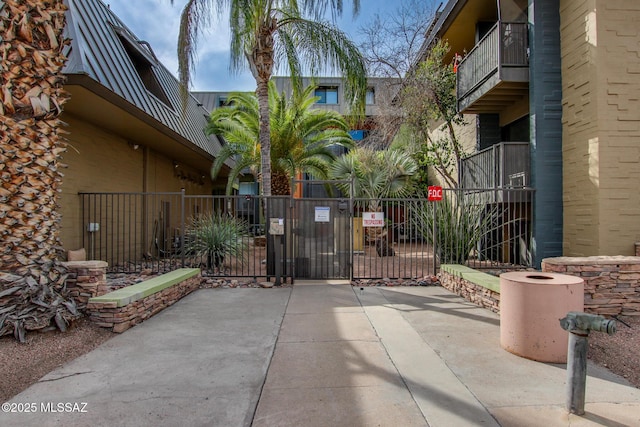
(457, 24)
(100, 106)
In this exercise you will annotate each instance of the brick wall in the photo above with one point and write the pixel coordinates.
(102, 161)
(119, 319)
(600, 43)
(611, 283)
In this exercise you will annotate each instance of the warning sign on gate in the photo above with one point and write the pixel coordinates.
(373, 219)
(434, 193)
(323, 214)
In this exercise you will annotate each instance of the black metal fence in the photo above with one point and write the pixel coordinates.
(253, 236)
(503, 165)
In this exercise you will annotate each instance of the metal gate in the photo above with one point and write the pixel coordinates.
(322, 238)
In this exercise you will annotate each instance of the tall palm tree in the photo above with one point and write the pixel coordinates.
(266, 33)
(301, 136)
(32, 42)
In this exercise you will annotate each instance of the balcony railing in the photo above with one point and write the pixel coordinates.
(504, 165)
(504, 46)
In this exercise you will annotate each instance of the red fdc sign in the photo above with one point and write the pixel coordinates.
(434, 193)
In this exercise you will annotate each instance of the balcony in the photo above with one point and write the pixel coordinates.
(495, 74)
(504, 165)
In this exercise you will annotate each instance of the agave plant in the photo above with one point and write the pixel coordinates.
(455, 225)
(216, 237)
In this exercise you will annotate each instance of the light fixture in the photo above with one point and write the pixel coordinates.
(133, 145)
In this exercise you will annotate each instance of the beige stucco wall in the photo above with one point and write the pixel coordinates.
(601, 126)
(100, 161)
(466, 134)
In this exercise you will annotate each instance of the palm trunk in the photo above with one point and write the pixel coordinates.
(30, 148)
(281, 184)
(262, 92)
(261, 64)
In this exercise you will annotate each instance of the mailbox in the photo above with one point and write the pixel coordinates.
(276, 226)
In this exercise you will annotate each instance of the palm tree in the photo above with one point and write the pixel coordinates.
(301, 137)
(30, 148)
(376, 174)
(266, 33)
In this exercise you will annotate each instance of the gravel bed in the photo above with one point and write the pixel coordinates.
(24, 364)
(620, 352)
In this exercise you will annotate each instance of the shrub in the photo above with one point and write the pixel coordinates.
(460, 221)
(217, 237)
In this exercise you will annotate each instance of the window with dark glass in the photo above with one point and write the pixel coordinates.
(327, 95)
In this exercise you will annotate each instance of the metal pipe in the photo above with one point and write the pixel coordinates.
(576, 373)
(579, 325)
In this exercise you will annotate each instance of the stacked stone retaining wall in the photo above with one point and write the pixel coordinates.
(119, 319)
(477, 294)
(611, 283)
(86, 279)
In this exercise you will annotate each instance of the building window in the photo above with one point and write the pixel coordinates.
(370, 97)
(222, 101)
(143, 61)
(328, 95)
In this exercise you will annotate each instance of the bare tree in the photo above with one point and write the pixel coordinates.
(421, 98)
(431, 116)
(390, 45)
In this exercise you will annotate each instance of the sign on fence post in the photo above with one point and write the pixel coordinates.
(434, 193)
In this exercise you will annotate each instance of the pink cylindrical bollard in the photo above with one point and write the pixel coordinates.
(531, 303)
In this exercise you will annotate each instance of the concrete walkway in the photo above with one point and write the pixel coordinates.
(319, 355)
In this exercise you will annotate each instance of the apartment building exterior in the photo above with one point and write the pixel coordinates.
(126, 128)
(550, 93)
(331, 96)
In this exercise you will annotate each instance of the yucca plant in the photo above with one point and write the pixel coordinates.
(216, 237)
(455, 225)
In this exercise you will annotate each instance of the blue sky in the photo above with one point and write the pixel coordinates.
(156, 21)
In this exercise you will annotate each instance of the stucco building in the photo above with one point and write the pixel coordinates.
(127, 130)
(550, 92)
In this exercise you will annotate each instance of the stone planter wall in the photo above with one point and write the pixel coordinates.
(86, 279)
(470, 291)
(119, 319)
(611, 283)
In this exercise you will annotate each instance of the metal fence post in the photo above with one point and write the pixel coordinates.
(433, 236)
(351, 230)
(182, 226)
